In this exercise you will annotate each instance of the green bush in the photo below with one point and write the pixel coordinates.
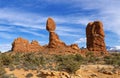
(32, 61)
(6, 59)
(113, 59)
(69, 63)
(29, 75)
(91, 58)
(2, 70)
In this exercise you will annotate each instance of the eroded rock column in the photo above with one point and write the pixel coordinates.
(95, 37)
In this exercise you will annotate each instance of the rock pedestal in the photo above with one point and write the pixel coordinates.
(54, 40)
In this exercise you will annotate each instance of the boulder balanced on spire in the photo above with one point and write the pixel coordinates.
(54, 40)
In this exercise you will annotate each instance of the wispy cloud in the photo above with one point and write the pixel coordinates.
(5, 47)
(5, 28)
(108, 14)
(35, 21)
(81, 40)
(67, 34)
(31, 32)
(22, 19)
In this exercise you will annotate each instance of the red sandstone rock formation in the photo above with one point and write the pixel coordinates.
(54, 40)
(95, 37)
(23, 45)
(55, 46)
(34, 46)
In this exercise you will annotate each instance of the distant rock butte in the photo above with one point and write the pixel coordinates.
(95, 37)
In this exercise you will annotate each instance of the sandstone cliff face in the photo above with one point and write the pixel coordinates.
(54, 40)
(23, 45)
(95, 37)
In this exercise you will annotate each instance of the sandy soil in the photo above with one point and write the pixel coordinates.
(85, 71)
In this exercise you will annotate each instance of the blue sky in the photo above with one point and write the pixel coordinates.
(27, 19)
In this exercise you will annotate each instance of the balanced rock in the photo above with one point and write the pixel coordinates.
(95, 37)
(23, 45)
(54, 40)
(50, 25)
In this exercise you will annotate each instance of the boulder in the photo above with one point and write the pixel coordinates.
(50, 25)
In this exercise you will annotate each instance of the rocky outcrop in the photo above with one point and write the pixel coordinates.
(23, 45)
(95, 37)
(20, 45)
(74, 46)
(34, 46)
(54, 40)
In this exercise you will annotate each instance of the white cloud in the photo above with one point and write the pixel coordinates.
(31, 32)
(62, 33)
(6, 28)
(117, 47)
(18, 18)
(5, 47)
(108, 12)
(67, 29)
(34, 21)
(81, 40)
